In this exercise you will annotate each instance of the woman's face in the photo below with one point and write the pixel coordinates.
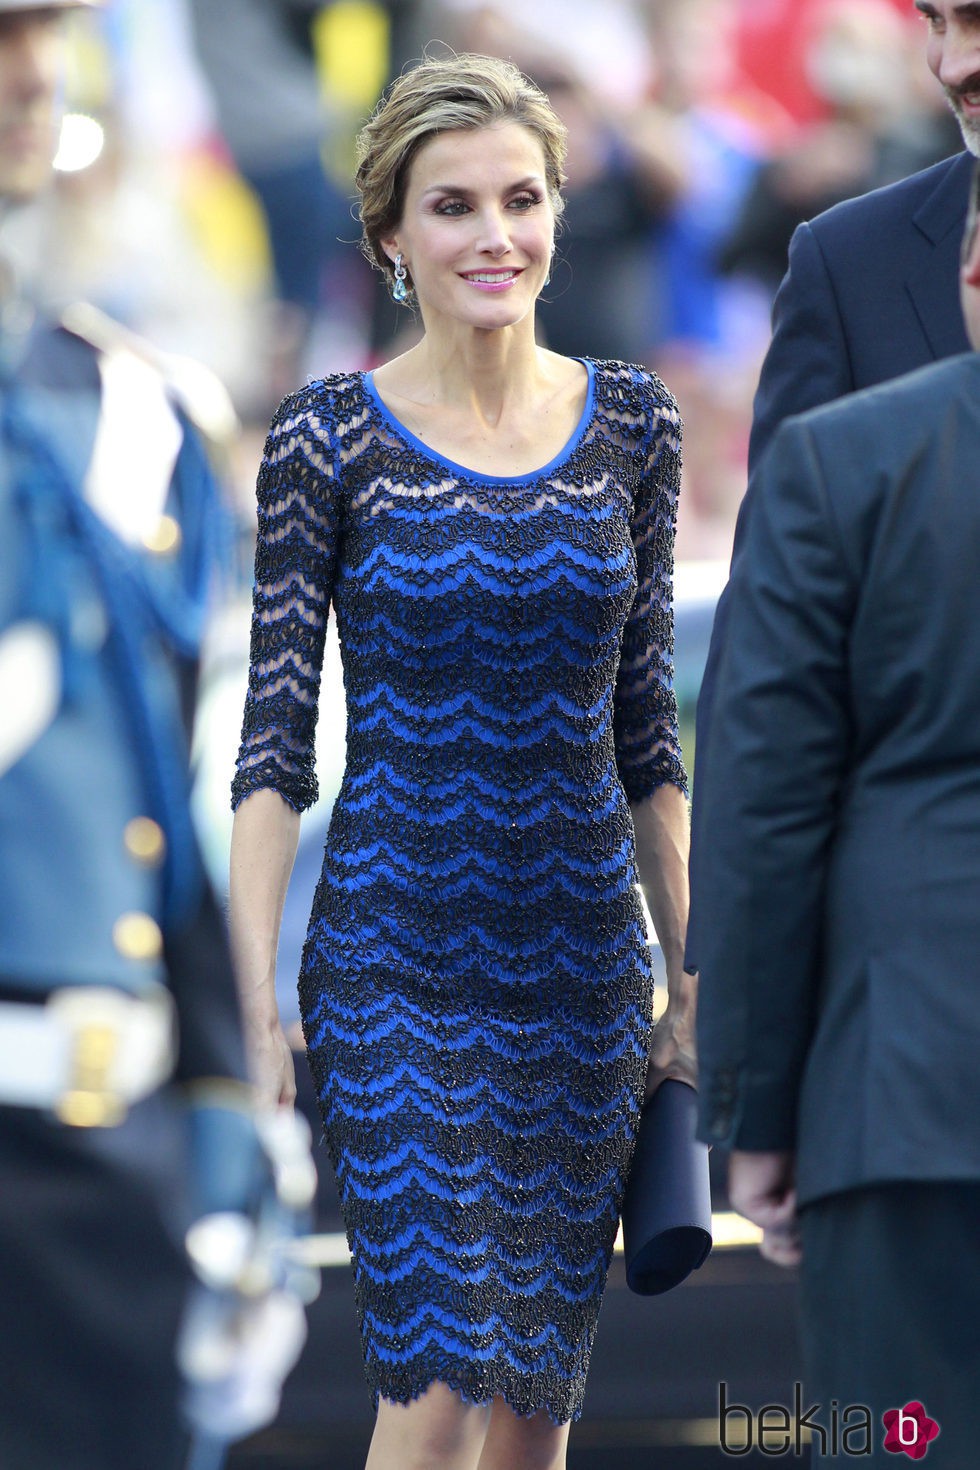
(478, 226)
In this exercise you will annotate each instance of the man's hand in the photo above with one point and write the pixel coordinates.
(761, 1187)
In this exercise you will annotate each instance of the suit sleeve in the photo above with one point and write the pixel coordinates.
(778, 749)
(808, 364)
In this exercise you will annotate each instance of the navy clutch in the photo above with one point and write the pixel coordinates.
(667, 1208)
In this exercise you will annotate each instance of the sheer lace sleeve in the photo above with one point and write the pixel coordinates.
(648, 752)
(294, 568)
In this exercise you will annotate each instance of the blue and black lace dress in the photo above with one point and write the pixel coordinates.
(475, 987)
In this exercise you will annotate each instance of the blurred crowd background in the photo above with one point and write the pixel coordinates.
(204, 198)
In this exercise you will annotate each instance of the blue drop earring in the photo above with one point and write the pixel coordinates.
(399, 290)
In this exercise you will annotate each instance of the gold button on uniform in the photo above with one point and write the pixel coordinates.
(164, 539)
(145, 841)
(137, 937)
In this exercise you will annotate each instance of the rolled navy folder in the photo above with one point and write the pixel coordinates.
(667, 1208)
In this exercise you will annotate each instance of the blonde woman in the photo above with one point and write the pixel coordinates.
(493, 526)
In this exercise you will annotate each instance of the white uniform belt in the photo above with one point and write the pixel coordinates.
(87, 1053)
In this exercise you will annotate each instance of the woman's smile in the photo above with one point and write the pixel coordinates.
(491, 280)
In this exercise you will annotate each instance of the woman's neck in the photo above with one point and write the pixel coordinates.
(471, 369)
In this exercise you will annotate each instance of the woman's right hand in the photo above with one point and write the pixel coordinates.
(272, 1063)
(263, 845)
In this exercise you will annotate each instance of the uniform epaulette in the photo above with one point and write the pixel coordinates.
(195, 389)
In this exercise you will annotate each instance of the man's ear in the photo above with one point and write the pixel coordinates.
(971, 262)
(970, 250)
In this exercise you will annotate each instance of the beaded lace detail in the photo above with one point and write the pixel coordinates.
(475, 984)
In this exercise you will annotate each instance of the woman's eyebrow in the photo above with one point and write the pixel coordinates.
(464, 190)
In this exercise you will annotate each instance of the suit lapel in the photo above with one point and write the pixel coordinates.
(940, 219)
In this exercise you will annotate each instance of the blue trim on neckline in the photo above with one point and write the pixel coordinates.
(565, 453)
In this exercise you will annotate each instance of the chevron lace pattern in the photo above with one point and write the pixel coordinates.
(475, 984)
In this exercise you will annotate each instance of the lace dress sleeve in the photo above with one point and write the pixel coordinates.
(648, 752)
(295, 559)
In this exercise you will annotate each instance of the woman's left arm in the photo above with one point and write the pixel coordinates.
(662, 829)
(648, 752)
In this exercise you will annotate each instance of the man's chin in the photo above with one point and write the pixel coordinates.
(969, 127)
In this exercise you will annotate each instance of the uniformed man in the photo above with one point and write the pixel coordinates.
(117, 999)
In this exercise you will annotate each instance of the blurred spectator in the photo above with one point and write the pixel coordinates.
(860, 63)
(145, 219)
(708, 333)
(621, 178)
(260, 60)
(723, 128)
(120, 1036)
(773, 42)
(603, 44)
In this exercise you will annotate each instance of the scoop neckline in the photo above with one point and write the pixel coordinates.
(565, 453)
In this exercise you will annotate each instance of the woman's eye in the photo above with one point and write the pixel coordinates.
(525, 201)
(451, 206)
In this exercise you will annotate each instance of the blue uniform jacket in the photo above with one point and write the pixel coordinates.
(100, 877)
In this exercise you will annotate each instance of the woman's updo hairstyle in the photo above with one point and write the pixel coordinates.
(441, 95)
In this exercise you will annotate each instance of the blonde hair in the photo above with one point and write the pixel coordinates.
(441, 95)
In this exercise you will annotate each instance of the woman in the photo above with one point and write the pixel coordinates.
(493, 524)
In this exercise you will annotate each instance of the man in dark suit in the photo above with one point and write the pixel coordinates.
(871, 290)
(839, 887)
(870, 294)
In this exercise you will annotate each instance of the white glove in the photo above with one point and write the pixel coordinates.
(235, 1354)
(245, 1324)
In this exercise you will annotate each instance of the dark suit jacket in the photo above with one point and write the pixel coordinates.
(872, 292)
(839, 879)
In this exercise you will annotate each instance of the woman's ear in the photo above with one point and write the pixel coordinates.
(390, 248)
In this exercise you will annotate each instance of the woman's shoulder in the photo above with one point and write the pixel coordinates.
(638, 390)
(320, 398)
